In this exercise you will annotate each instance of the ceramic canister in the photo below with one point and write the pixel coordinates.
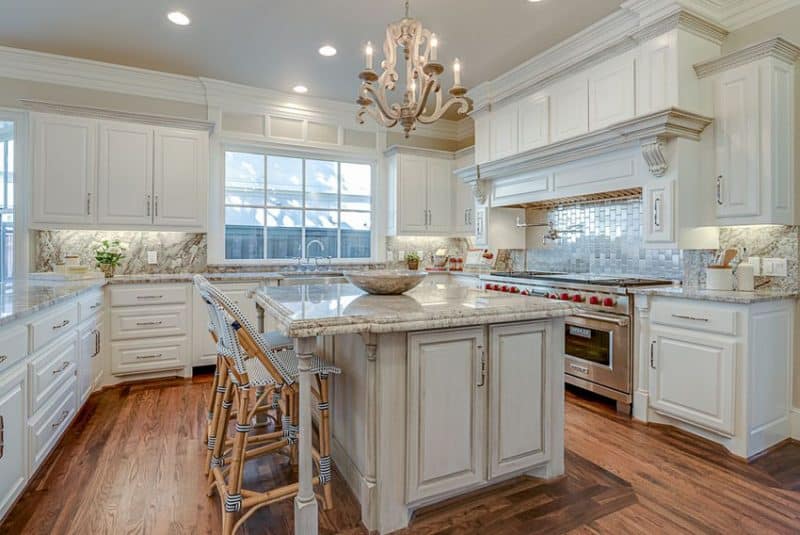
(745, 278)
(719, 278)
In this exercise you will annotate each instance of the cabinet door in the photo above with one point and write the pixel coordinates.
(101, 357)
(736, 132)
(64, 169)
(518, 424)
(180, 184)
(440, 191)
(481, 226)
(445, 448)
(569, 109)
(483, 138)
(534, 122)
(13, 437)
(659, 207)
(611, 92)
(692, 378)
(412, 188)
(463, 207)
(89, 349)
(125, 179)
(504, 132)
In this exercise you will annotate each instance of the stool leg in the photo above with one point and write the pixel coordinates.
(221, 381)
(233, 495)
(325, 463)
(221, 435)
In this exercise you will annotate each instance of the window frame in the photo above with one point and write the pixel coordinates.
(216, 242)
(21, 190)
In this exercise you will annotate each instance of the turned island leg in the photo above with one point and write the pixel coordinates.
(305, 503)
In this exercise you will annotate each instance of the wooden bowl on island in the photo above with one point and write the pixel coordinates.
(385, 282)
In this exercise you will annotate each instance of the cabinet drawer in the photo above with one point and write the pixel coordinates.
(13, 428)
(90, 305)
(139, 356)
(50, 370)
(149, 295)
(52, 325)
(693, 315)
(48, 427)
(13, 345)
(147, 322)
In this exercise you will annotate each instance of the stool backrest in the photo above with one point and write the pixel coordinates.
(221, 326)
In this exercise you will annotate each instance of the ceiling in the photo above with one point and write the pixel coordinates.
(273, 43)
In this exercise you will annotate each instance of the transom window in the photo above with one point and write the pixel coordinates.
(6, 200)
(279, 207)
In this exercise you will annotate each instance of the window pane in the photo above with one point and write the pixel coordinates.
(355, 235)
(322, 234)
(244, 233)
(284, 182)
(322, 184)
(285, 233)
(356, 186)
(244, 178)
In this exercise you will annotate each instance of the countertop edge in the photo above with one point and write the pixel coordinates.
(721, 296)
(17, 316)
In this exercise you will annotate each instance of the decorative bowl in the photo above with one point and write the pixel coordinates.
(385, 282)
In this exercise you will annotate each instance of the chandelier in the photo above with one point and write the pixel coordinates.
(422, 79)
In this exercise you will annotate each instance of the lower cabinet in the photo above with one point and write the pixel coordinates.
(692, 377)
(476, 410)
(90, 345)
(47, 425)
(13, 436)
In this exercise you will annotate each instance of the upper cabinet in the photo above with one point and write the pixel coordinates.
(504, 132)
(64, 169)
(420, 193)
(569, 108)
(89, 172)
(534, 122)
(611, 92)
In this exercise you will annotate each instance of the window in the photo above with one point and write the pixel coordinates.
(279, 207)
(6, 200)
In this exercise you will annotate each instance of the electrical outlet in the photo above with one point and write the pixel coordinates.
(774, 267)
(755, 261)
(152, 257)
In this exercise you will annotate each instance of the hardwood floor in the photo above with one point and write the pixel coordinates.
(130, 464)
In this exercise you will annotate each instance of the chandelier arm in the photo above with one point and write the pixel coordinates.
(447, 105)
(380, 103)
(380, 119)
(437, 106)
(425, 91)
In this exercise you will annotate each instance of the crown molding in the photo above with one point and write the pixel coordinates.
(730, 14)
(419, 151)
(777, 48)
(116, 115)
(650, 132)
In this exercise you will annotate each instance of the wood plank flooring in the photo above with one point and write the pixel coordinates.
(130, 463)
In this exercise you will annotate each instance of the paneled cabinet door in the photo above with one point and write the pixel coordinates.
(125, 178)
(569, 109)
(504, 132)
(736, 132)
(89, 349)
(481, 226)
(659, 210)
(64, 169)
(611, 92)
(412, 202)
(179, 195)
(440, 189)
(463, 207)
(692, 378)
(518, 424)
(534, 122)
(445, 448)
(483, 138)
(13, 436)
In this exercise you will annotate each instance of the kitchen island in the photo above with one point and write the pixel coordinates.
(443, 390)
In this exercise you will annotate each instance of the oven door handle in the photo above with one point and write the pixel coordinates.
(617, 320)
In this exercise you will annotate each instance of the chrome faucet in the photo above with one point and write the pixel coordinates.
(321, 250)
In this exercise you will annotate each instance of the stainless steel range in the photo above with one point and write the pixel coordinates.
(598, 338)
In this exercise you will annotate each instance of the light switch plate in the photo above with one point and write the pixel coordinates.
(774, 267)
(755, 261)
(152, 257)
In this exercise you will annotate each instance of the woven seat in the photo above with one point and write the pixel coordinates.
(289, 362)
(276, 340)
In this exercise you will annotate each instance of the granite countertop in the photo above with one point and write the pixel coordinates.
(701, 294)
(312, 310)
(24, 297)
(156, 278)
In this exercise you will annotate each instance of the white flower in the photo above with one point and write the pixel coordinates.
(114, 250)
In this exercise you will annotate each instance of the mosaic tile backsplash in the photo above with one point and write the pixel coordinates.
(607, 240)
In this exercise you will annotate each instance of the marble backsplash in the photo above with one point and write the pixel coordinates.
(398, 247)
(178, 252)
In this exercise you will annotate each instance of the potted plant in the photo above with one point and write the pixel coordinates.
(412, 261)
(109, 255)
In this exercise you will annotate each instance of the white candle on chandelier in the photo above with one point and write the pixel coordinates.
(368, 54)
(413, 89)
(434, 47)
(457, 72)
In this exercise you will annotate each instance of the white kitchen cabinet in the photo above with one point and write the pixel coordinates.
(179, 189)
(518, 421)
(13, 436)
(504, 131)
(569, 108)
(483, 137)
(64, 169)
(420, 193)
(692, 377)
(611, 92)
(754, 132)
(534, 122)
(445, 448)
(481, 226)
(463, 208)
(125, 185)
(659, 211)
(88, 350)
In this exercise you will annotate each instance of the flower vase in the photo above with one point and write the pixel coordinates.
(108, 270)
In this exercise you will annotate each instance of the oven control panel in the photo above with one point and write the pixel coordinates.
(585, 298)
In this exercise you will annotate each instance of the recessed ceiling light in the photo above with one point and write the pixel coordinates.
(176, 17)
(534, 1)
(300, 89)
(327, 50)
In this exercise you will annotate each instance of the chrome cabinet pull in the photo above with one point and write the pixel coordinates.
(656, 209)
(149, 296)
(89, 203)
(96, 343)
(143, 357)
(692, 318)
(2, 436)
(719, 190)
(94, 306)
(63, 367)
(147, 323)
(155, 204)
(3, 358)
(61, 325)
(60, 421)
(483, 368)
(147, 204)
(652, 354)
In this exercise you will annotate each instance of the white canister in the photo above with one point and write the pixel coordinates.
(745, 278)
(719, 278)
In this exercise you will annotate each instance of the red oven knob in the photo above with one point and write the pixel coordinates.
(514, 290)
(608, 302)
(488, 286)
(577, 298)
(594, 300)
(496, 287)
(553, 296)
(565, 297)
(525, 292)
(504, 288)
